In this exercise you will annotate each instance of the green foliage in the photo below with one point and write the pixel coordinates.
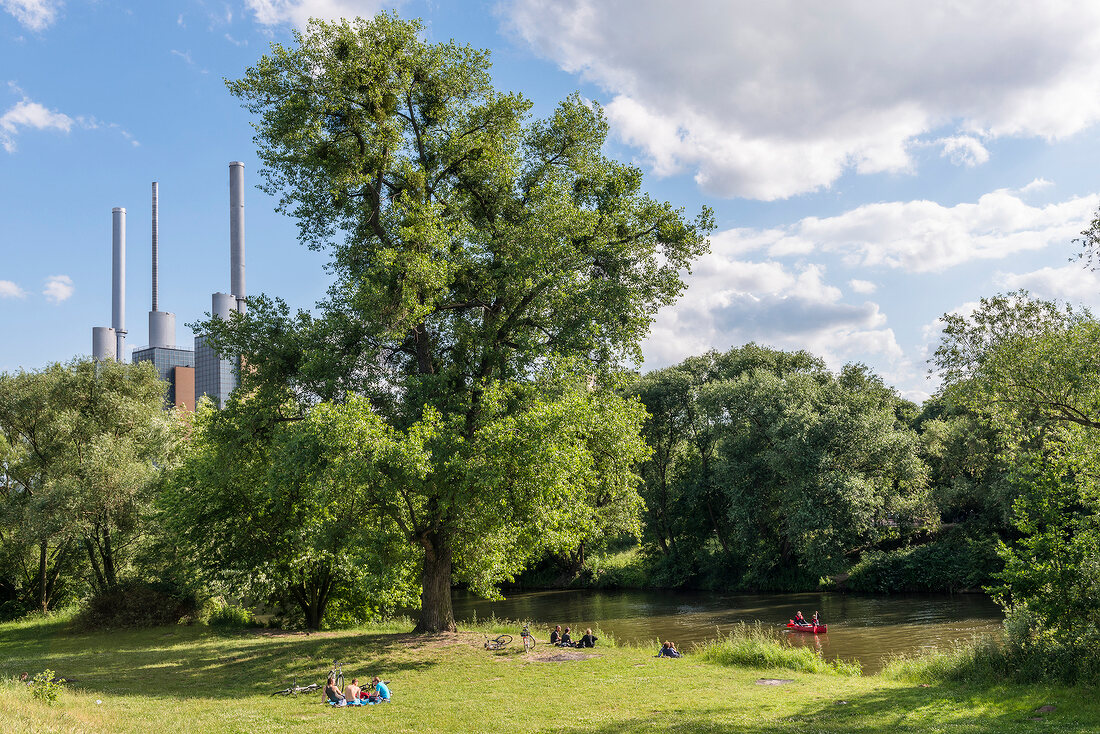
(1030, 367)
(492, 274)
(756, 646)
(231, 615)
(789, 468)
(81, 450)
(136, 604)
(45, 687)
(954, 562)
(260, 509)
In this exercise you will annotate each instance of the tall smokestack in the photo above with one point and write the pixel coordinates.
(156, 228)
(118, 280)
(162, 325)
(236, 232)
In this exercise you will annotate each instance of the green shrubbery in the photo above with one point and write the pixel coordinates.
(755, 646)
(230, 615)
(45, 686)
(136, 604)
(1027, 653)
(952, 563)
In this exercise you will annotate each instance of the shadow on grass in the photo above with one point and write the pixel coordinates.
(184, 662)
(1001, 709)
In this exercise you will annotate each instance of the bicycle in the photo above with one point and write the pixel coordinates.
(295, 689)
(528, 639)
(498, 643)
(337, 674)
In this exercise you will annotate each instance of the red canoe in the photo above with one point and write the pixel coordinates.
(807, 627)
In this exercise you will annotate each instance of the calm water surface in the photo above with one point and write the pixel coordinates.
(866, 628)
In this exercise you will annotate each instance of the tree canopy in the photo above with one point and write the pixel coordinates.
(492, 274)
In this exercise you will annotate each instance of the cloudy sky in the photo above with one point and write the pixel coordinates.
(872, 165)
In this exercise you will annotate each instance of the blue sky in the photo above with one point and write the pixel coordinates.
(872, 165)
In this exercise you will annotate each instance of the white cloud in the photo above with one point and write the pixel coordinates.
(924, 236)
(37, 15)
(1037, 184)
(730, 302)
(298, 12)
(1073, 283)
(28, 114)
(58, 288)
(964, 150)
(8, 289)
(862, 286)
(768, 100)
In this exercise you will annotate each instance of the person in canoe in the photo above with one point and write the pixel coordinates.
(800, 620)
(816, 620)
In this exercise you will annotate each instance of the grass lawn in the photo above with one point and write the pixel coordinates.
(194, 679)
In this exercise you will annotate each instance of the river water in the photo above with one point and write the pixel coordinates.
(870, 629)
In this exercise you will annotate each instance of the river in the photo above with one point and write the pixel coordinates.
(870, 629)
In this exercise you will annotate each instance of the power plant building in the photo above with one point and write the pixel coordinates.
(190, 374)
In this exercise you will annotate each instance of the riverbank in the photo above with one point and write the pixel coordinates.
(192, 679)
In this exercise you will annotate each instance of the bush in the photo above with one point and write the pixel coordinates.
(952, 563)
(136, 604)
(755, 646)
(1028, 653)
(45, 686)
(230, 615)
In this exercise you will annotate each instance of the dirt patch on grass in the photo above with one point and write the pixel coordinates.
(558, 656)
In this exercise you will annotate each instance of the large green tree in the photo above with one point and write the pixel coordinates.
(1030, 367)
(82, 446)
(474, 251)
(788, 470)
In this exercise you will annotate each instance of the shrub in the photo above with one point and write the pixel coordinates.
(231, 615)
(45, 686)
(952, 563)
(755, 646)
(136, 604)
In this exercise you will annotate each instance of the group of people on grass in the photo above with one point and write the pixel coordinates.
(814, 622)
(353, 695)
(558, 638)
(668, 650)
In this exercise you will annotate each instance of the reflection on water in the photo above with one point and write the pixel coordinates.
(865, 628)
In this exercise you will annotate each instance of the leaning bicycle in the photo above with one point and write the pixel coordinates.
(528, 639)
(337, 674)
(498, 643)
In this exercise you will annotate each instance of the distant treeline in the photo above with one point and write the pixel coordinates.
(769, 471)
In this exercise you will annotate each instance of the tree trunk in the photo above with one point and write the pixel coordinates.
(98, 584)
(43, 598)
(436, 614)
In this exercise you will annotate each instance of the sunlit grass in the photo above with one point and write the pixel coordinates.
(756, 646)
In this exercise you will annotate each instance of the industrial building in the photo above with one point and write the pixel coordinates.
(191, 374)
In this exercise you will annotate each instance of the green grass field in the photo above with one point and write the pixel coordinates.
(194, 679)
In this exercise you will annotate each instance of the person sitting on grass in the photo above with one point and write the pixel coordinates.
(566, 640)
(351, 691)
(555, 636)
(333, 694)
(380, 690)
(588, 640)
(668, 650)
